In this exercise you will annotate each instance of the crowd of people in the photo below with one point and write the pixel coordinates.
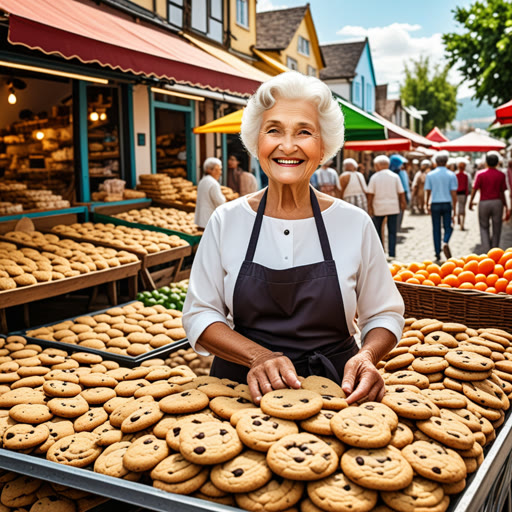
(442, 187)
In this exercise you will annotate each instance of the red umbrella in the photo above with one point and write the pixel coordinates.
(504, 113)
(435, 135)
(473, 141)
(379, 145)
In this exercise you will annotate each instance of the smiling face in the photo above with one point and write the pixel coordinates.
(289, 143)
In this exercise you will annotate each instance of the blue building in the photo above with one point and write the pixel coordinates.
(349, 72)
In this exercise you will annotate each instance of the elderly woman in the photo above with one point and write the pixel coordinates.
(209, 193)
(280, 275)
(352, 184)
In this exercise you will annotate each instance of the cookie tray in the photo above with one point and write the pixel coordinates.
(133, 493)
(160, 352)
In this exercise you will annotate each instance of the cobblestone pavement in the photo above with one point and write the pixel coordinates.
(415, 241)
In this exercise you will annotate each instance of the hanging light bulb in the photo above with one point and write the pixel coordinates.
(12, 97)
(94, 116)
(39, 135)
(103, 116)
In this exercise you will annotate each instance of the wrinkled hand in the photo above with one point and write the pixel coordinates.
(362, 380)
(271, 371)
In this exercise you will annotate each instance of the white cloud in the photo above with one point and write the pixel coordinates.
(267, 5)
(395, 45)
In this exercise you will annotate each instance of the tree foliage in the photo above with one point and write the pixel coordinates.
(483, 49)
(428, 89)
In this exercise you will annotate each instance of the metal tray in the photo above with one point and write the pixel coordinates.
(123, 360)
(133, 493)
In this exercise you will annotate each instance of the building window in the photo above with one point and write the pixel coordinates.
(311, 70)
(242, 13)
(292, 63)
(369, 98)
(303, 46)
(176, 13)
(357, 92)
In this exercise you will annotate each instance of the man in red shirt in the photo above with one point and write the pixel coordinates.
(492, 185)
(463, 190)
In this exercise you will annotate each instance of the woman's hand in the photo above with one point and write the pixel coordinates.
(271, 371)
(361, 379)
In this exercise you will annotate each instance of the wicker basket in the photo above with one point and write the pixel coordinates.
(471, 307)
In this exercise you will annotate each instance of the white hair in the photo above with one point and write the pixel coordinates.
(381, 159)
(210, 163)
(349, 161)
(442, 157)
(293, 85)
(425, 162)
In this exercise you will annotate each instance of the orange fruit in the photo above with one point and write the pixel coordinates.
(428, 282)
(496, 253)
(405, 274)
(466, 277)
(491, 289)
(486, 266)
(412, 280)
(443, 285)
(452, 280)
(507, 255)
(508, 264)
(499, 270)
(481, 278)
(491, 279)
(471, 257)
(447, 268)
(481, 286)
(501, 285)
(423, 273)
(427, 263)
(457, 271)
(466, 286)
(419, 277)
(435, 278)
(433, 268)
(509, 289)
(508, 274)
(415, 266)
(471, 266)
(459, 262)
(397, 278)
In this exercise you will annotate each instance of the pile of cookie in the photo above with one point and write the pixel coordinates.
(129, 330)
(158, 187)
(7, 208)
(23, 493)
(197, 362)
(24, 266)
(167, 218)
(123, 237)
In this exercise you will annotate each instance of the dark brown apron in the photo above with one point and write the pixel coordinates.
(298, 311)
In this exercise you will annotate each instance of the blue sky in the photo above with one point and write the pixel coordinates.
(398, 30)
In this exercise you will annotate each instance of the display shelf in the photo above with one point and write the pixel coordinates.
(44, 213)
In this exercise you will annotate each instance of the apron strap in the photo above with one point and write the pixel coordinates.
(320, 226)
(318, 359)
(251, 248)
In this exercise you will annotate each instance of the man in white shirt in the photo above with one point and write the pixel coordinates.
(386, 196)
(209, 194)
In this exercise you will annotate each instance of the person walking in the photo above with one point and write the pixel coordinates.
(353, 188)
(463, 190)
(386, 197)
(396, 164)
(491, 183)
(209, 193)
(326, 179)
(418, 188)
(441, 187)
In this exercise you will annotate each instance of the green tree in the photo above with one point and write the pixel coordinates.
(483, 49)
(428, 89)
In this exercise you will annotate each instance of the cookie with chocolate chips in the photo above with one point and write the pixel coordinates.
(291, 404)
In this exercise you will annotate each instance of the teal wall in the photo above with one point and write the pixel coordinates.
(363, 85)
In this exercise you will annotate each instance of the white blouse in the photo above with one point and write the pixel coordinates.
(367, 287)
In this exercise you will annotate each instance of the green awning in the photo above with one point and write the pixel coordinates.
(359, 125)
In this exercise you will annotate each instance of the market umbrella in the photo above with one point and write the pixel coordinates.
(358, 124)
(504, 113)
(473, 141)
(435, 135)
(227, 124)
